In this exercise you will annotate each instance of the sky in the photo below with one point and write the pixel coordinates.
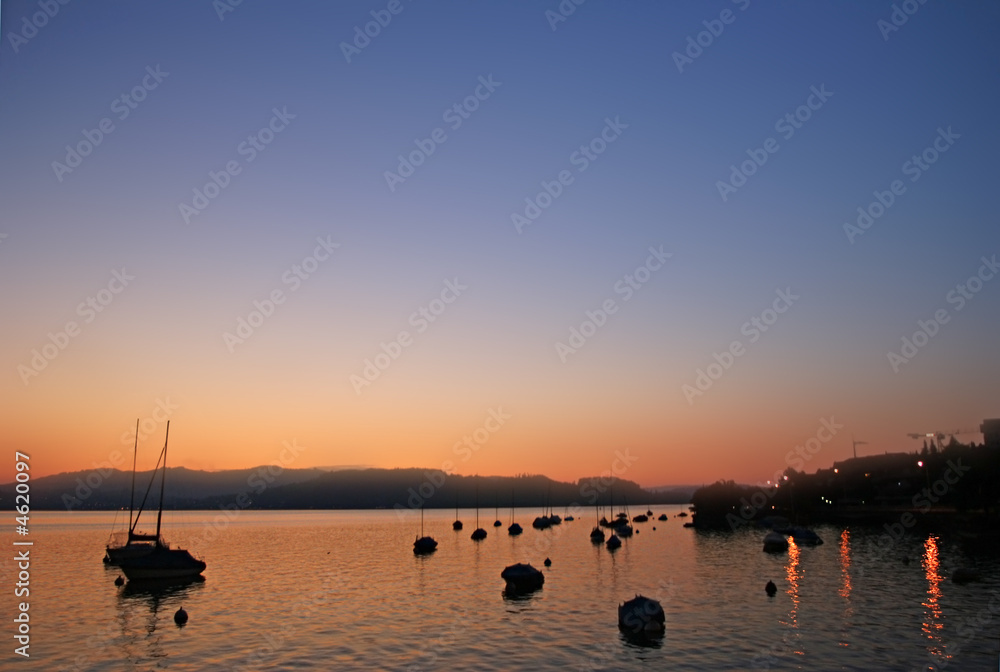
(670, 240)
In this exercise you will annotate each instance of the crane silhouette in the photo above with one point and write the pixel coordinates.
(940, 435)
(855, 444)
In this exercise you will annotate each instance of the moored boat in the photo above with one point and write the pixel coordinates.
(161, 561)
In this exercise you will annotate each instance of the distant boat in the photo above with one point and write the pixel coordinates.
(514, 528)
(649, 512)
(775, 542)
(622, 528)
(639, 518)
(542, 522)
(553, 518)
(614, 542)
(597, 534)
(805, 537)
(457, 525)
(162, 562)
(497, 523)
(424, 545)
(663, 516)
(569, 519)
(479, 533)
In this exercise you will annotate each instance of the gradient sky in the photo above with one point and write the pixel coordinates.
(160, 341)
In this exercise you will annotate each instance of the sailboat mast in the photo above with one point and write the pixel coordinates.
(131, 496)
(163, 481)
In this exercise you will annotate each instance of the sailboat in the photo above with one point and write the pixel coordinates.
(622, 528)
(597, 534)
(129, 544)
(514, 528)
(457, 525)
(424, 545)
(162, 561)
(479, 533)
(497, 523)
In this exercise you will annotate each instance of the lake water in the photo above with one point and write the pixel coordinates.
(342, 590)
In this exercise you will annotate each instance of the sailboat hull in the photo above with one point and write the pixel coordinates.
(162, 563)
(116, 555)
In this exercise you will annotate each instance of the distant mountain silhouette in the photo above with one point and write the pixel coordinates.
(270, 487)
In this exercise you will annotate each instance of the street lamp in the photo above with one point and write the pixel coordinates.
(927, 476)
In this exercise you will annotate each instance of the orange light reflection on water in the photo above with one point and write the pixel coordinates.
(933, 621)
(845, 564)
(793, 574)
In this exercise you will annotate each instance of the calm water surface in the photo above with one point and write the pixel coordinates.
(342, 590)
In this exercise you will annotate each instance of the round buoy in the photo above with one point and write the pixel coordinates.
(181, 617)
(548, 563)
(654, 528)
(770, 588)
(119, 581)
